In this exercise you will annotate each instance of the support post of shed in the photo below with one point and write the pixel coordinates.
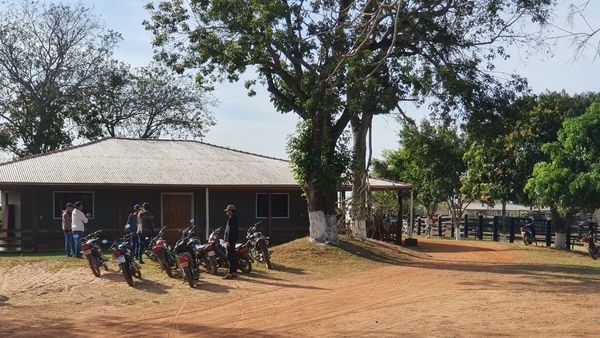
(412, 218)
(399, 222)
(269, 212)
(207, 213)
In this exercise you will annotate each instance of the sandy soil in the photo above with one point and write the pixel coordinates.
(444, 289)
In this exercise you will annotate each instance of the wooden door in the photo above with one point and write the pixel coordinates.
(176, 214)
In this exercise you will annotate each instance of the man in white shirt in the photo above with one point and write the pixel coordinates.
(79, 220)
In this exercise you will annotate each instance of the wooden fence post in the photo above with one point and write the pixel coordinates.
(495, 229)
(399, 222)
(466, 229)
(480, 228)
(440, 225)
(512, 230)
(548, 233)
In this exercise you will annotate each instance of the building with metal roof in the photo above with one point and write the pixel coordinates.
(180, 179)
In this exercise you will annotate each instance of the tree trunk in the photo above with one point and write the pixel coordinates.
(321, 215)
(559, 227)
(360, 176)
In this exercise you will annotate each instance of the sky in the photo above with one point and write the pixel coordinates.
(252, 124)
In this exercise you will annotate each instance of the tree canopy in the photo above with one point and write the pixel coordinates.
(48, 54)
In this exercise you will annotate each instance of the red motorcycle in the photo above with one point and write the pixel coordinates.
(160, 252)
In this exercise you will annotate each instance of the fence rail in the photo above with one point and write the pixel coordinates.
(492, 228)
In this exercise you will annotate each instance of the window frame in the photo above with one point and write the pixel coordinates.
(73, 192)
(273, 193)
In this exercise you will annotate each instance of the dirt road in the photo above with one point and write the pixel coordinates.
(445, 289)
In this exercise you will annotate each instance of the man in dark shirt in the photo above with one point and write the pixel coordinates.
(145, 228)
(231, 237)
(132, 222)
(66, 226)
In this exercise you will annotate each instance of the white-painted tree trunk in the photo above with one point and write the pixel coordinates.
(323, 228)
(560, 241)
(358, 229)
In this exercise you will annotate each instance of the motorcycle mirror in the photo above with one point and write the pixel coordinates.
(127, 226)
(192, 221)
(147, 238)
(104, 241)
(88, 215)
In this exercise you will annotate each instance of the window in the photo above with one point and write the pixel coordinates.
(279, 205)
(61, 198)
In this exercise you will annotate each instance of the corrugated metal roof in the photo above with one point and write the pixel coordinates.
(135, 162)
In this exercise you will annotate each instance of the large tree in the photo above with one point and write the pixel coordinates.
(431, 158)
(147, 102)
(304, 52)
(569, 182)
(49, 54)
(505, 147)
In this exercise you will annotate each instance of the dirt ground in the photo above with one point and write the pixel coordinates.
(441, 289)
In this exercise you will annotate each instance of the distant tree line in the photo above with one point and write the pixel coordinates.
(540, 150)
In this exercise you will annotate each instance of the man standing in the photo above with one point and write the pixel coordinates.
(231, 237)
(78, 222)
(145, 228)
(66, 227)
(132, 222)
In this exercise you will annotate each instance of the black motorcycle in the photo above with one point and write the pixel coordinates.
(185, 251)
(90, 248)
(122, 253)
(160, 252)
(241, 251)
(528, 233)
(259, 245)
(590, 240)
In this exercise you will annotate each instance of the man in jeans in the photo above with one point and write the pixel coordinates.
(78, 222)
(145, 229)
(66, 226)
(231, 237)
(132, 222)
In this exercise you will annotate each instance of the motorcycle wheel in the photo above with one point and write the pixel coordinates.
(126, 273)
(212, 266)
(593, 250)
(527, 240)
(244, 264)
(265, 257)
(188, 276)
(94, 265)
(164, 263)
(135, 270)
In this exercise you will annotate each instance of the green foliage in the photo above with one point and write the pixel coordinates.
(430, 158)
(49, 54)
(331, 160)
(570, 180)
(146, 102)
(504, 149)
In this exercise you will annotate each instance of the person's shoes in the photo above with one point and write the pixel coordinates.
(230, 276)
(80, 257)
(141, 262)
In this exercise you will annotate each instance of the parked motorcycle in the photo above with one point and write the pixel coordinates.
(528, 233)
(160, 252)
(242, 252)
(259, 245)
(590, 239)
(185, 251)
(207, 255)
(90, 248)
(122, 253)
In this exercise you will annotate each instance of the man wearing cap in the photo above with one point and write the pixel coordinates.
(132, 220)
(231, 237)
(66, 227)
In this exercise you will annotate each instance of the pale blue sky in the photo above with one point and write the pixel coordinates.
(252, 124)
